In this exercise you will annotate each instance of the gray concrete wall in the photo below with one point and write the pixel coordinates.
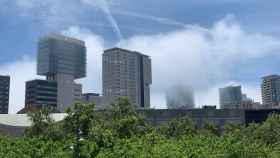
(161, 117)
(199, 116)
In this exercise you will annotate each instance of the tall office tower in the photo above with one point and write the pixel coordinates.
(4, 94)
(230, 97)
(180, 97)
(271, 90)
(39, 93)
(127, 73)
(62, 59)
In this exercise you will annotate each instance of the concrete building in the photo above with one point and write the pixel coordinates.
(180, 97)
(230, 97)
(4, 94)
(95, 98)
(41, 93)
(127, 73)
(14, 125)
(62, 59)
(78, 91)
(271, 90)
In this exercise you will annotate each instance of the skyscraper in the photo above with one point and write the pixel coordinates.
(127, 73)
(271, 90)
(4, 94)
(62, 59)
(230, 97)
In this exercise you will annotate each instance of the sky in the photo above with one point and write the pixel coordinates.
(205, 44)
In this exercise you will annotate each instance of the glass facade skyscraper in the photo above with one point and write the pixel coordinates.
(62, 59)
(59, 54)
(230, 97)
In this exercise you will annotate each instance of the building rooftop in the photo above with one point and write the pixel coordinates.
(22, 120)
(125, 50)
(62, 37)
(5, 76)
(271, 77)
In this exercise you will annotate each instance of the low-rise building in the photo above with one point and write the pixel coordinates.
(41, 93)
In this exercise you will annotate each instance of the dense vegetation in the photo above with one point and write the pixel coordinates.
(121, 132)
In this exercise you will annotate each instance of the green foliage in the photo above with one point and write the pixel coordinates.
(122, 132)
(124, 121)
(79, 118)
(211, 129)
(179, 127)
(43, 125)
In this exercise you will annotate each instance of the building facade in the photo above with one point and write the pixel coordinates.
(39, 93)
(4, 94)
(230, 97)
(62, 59)
(271, 90)
(95, 98)
(127, 73)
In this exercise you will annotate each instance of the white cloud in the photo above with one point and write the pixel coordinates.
(195, 56)
(20, 71)
(201, 57)
(60, 13)
(95, 47)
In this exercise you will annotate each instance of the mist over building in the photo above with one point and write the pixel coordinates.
(180, 97)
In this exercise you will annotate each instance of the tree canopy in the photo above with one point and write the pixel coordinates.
(122, 132)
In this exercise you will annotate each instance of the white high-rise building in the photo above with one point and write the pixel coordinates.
(127, 73)
(271, 90)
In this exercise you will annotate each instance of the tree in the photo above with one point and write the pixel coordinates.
(77, 124)
(124, 120)
(43, 124)
(80, 117)
(179, 127)
(269, 131)
(210, 128)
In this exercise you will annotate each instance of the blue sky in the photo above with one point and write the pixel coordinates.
(212, 42)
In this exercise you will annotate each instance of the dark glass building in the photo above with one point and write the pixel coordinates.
(41, 93)
(230, 97)
(62, 59)
(58, 54)
(4, 94)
